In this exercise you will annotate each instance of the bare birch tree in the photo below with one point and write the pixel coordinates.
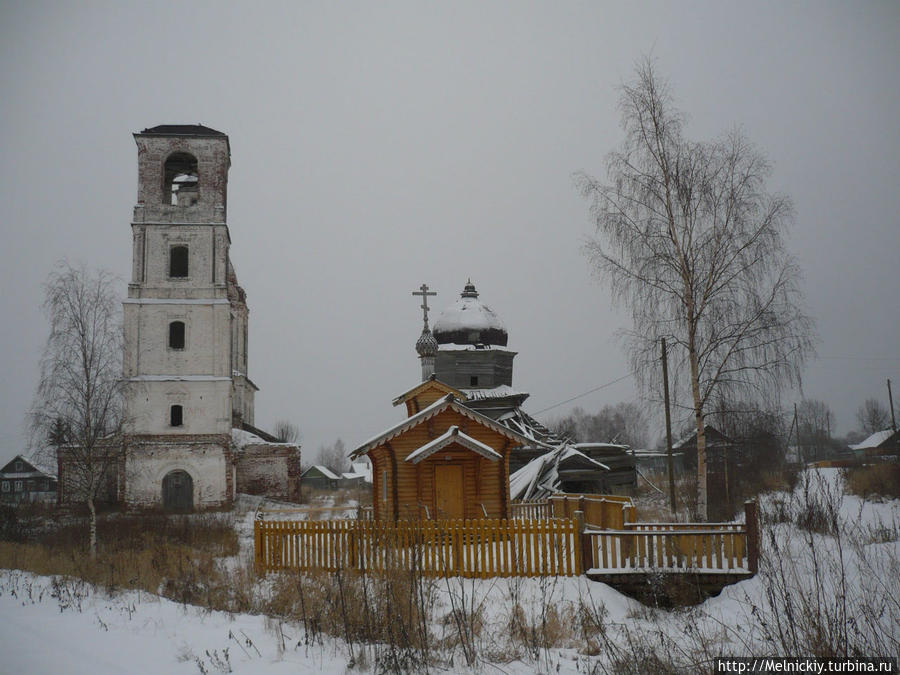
(78, 406)
(692, 243)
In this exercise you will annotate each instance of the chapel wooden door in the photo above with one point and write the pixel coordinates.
(449, 493)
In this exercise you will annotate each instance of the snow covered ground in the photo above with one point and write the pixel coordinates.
(49, 625)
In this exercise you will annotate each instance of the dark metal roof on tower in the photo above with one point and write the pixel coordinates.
(182, 130)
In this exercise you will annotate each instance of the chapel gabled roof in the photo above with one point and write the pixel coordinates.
(431, 383)
(452, 435)
(447, 402)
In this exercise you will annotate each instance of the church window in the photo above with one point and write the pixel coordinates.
(181, 180)
(473, 380)
(176, 416)
(176, 335)
(178, 261)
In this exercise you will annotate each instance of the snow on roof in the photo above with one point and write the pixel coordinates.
(468, 313)
(540, 477)
(431, 382)
(597, 446)
(452, 435)
(241, 438)
(448, 401)
(363, 469)
(500, 391)
(324, 470)
(455, 347)
(874, 440)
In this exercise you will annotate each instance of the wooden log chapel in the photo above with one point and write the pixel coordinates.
(444, 461)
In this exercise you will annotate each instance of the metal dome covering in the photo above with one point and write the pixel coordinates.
(426, 345)
(468, 321)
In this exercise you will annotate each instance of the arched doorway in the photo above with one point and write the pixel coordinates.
(178, 491)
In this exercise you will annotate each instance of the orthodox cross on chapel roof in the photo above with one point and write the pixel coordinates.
(424, 292)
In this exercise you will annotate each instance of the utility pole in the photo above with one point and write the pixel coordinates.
(665, 367)
(891, 399)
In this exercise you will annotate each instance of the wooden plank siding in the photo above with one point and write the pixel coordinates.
(410, 492)
(481, 548)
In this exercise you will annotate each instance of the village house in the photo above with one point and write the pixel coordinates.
(880, 444)
(21, 481)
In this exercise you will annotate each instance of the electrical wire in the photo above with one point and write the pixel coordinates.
(575, 398)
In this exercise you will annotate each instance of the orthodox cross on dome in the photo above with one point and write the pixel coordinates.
(424, 292)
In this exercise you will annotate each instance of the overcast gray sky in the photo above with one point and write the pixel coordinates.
(377, 146)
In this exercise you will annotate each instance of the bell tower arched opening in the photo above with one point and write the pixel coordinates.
(181, 180)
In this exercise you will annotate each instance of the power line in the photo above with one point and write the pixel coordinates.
(575, 398)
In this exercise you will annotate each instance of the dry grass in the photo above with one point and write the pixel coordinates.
(881, 480)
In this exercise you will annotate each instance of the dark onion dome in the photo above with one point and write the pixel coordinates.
(468, 321)
(426, 345)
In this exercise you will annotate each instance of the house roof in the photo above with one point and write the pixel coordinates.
(324, 470)
(874, 440)
(29, 470)
(713, 434)
(447, 402)
(540, 477)
(431, 383)
(452, 435)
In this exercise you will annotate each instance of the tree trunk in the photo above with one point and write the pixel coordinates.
(93, 526)
(702, 507)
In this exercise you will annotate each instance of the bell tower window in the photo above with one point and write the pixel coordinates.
(176, 335)
(178, 262)
(176, 416)
(181, 180)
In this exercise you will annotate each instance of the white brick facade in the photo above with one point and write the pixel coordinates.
(185, 361)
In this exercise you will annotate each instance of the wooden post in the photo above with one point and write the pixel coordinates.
(752, 521)
(257, 541)
(671, 462)
(583, 556)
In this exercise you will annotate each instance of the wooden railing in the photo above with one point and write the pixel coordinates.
(701, 547)
(603, 511)
(522, 510)
(479, 548)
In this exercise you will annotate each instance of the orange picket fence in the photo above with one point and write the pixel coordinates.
(471, 548)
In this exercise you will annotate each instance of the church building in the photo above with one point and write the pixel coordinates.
(189, 435)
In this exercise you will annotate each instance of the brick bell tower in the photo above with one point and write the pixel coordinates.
(185, 360)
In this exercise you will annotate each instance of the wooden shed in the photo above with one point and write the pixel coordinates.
(443, 461)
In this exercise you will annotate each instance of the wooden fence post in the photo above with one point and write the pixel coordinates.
(752, 520)
(583, 557)
(257, 541)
